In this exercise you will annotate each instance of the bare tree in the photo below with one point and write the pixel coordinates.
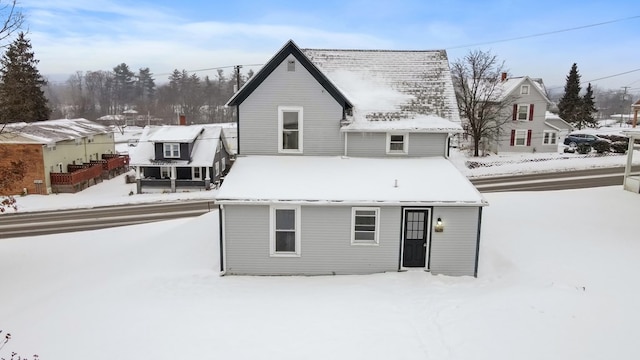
(477, 79)
(11, 18)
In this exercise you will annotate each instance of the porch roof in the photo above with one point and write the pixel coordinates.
(344, 180)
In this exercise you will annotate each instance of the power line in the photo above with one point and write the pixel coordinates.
(545, 33)
(600, 78)
(213, 68)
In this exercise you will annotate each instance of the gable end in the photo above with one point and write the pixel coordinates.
(289, 48)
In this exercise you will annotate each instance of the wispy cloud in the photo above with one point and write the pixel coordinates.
(76, 35)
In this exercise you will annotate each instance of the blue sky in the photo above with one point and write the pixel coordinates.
(80, 35)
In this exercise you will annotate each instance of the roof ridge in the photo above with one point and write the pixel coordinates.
(374, 50)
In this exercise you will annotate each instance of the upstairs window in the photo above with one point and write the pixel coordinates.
(523, 112)
(285, 231)
(290, 119)
(291, 65)
(524, 90)
(171, 150)
(397, 143)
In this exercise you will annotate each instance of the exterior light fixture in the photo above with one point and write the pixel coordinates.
(438, 227)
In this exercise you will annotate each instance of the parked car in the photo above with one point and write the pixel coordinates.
(572, 140)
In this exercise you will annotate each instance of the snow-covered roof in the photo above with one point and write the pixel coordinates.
(342, 180)
(389, 86)
(230, 137)
(111, 118)
(173, 133)
(52, 131)
(409, 90)
(205, 139)
(556, 122)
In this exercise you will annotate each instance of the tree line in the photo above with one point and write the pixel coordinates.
(93, 94)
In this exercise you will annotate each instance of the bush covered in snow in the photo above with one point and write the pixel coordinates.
(583, 148)
(620, 147)
(602, 147)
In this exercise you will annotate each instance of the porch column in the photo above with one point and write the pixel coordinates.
(207, 178)
(138, 181)
(173, 178)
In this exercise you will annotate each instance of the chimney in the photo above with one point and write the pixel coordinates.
(504, 76)
(183, 119)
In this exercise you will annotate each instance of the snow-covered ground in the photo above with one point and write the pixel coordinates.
(557, 280)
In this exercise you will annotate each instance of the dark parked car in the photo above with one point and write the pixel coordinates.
(572, 140)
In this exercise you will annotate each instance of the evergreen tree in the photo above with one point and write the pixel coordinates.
(145, 89)
(123, 87)
(588, 109)
(21, 85)
(570, 105)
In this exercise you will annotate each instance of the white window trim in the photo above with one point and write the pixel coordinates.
(552, 135)
(376, 240)
(171, 147)
(272, 231)
(527, 113)
(193, 173)
(405, 144)
(515, 139)
(523, 91)
(217, 168)
(282, 109)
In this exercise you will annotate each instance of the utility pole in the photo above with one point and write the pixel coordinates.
(237, 68)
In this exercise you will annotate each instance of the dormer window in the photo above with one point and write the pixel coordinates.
(171, 150)
(397, 143)
(524, 90)
(291, 65)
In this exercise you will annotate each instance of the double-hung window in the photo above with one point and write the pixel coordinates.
(397, 143)
(290, 120)
(285, 231)
(524, 90)
(521, 138)
(549, 137)
(523, 111)
(365, 224)
(171, 150)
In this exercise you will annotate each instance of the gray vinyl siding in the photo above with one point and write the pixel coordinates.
(453, 251)
(325, 242)
(537, 125)
(375, 144)
(321, 114)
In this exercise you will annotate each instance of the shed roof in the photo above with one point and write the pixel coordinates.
(343, 180)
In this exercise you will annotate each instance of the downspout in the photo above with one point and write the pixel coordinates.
(475, 270)
(447, 145)
(223, 249)
(346, 137)
(238, 129)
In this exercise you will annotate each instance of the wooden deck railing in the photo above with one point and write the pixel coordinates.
(77, 174)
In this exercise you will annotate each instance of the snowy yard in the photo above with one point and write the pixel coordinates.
(553, 284)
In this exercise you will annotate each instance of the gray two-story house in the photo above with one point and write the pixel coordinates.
(342, 168)
(529, 126)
